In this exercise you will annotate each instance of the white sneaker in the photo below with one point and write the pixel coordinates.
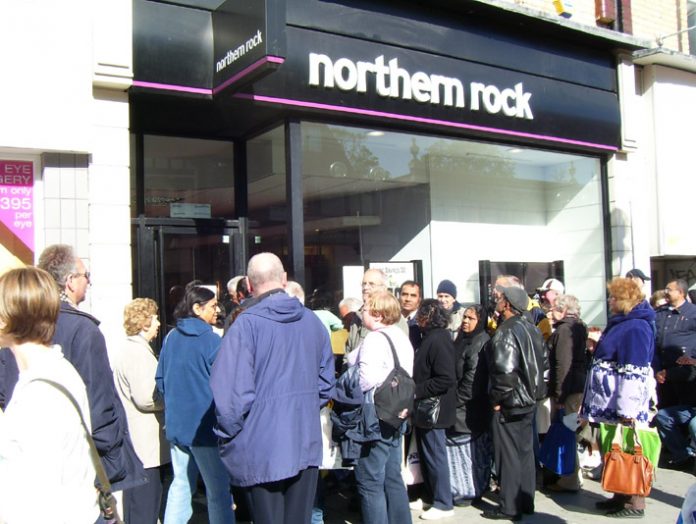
(418, 505)
(437, 514)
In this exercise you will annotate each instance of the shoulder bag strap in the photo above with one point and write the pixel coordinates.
(391, 346)
(94, 454)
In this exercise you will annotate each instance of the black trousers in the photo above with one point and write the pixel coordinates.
(514, 459)
(142, 503)
(287, 501)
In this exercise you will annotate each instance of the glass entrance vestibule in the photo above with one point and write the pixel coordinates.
(330, 198)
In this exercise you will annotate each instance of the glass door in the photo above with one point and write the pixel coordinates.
(170, 253)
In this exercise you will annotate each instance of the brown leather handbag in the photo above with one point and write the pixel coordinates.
(627, 473)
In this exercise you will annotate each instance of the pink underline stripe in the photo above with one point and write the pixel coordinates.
(172, 87)
(422, 120)
(247, 70)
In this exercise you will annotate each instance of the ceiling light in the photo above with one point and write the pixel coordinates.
(514, 150)
(375, 133)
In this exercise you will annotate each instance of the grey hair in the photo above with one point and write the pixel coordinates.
(294, 289)
(232, 283)
(509, 281)
(60, 261)
(353, 304)
(570, 303)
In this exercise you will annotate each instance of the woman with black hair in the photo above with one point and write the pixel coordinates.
(182, 378)
(433, 372)
(469, 446)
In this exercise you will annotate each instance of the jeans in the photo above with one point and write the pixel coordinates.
(675, 429)
(382, 491)
(187, 462)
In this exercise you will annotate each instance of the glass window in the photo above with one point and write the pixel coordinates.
(268, 212)
(384, 196)
(187, 177)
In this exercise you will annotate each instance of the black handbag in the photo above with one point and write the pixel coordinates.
(394, 396)
(427, 412)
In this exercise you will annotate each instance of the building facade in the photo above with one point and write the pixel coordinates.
(169, 141)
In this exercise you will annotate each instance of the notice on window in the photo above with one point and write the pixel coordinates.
(16, 212)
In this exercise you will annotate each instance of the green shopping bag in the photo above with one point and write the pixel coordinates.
(649, 439)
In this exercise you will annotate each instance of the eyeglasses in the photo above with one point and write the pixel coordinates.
(86, 274)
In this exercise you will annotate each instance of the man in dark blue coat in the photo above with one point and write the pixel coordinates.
(84, 347)
(272, 374)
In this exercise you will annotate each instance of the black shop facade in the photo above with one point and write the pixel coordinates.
(453, 141)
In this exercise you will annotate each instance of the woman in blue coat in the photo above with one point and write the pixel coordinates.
(182, 377)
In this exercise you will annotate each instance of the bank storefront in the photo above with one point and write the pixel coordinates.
(343, 134)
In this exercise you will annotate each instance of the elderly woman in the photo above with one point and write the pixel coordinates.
(378, 471)
(46, 470)
(620, 384)
(567, 357)
(433, 372)
(134, 375)
(182, 377)
(469, 448)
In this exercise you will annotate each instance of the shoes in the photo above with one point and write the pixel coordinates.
(419, 505)
(609, 504)
(556, 488)
(496, 514)
(626, 513)
(686, 464)
(437, 514)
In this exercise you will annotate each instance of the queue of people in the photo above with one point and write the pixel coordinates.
(243, 410)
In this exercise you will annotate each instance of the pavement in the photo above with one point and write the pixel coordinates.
(663, 505)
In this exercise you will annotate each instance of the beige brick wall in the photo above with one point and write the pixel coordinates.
(650, 18)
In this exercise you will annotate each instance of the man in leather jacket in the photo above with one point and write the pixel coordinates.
(516, 374)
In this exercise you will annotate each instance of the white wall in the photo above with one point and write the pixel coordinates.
(671, 95)
(66, 66)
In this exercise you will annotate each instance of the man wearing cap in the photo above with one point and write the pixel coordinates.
(447, 297)
(549, 290)
(516, 382)
(638, 277)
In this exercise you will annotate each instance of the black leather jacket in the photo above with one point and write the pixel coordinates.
(517, 366)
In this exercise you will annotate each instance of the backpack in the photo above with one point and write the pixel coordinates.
(395, 394)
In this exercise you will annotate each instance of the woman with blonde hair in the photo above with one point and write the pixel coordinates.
(46, 470)
(620, 383)
(134, 375)
(378, 471)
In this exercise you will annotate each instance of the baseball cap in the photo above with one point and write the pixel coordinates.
(637, 273)
(552, 284)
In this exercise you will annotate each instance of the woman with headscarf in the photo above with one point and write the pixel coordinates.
(183, 375)
(469, 448)
(620, 384)
(433, 372)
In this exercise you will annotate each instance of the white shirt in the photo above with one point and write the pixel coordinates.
(375, 357)
(46, 471)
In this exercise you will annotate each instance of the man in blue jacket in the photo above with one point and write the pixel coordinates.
(272, 374)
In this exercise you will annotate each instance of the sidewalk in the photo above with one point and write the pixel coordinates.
(663, 505)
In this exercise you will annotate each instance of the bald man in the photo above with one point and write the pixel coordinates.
(273, 373)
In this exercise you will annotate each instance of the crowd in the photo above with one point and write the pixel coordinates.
(234, 396)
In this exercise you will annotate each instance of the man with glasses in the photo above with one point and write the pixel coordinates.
(84, 346)
(373, 280)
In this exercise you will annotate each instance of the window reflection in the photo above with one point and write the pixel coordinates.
(188, 171)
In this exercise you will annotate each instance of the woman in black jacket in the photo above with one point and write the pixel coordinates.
(568, 360)
(433, 372)
(469, 447)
